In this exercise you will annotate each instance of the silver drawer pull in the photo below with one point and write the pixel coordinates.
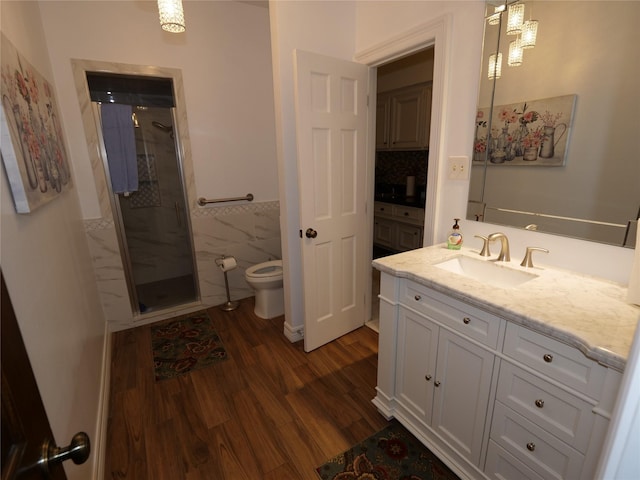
(547, 357)
(427, 377)
(539, 403)
(531, 446)
(466, 320)
(436, 383)
(418, 298)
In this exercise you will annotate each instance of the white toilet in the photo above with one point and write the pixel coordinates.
(266, 279)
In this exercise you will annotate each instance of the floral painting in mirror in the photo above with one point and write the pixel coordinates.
(31, 138)
(534, 133)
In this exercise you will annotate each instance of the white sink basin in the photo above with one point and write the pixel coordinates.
(486, 271)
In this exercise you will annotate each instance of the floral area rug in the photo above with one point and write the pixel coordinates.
(184, 344)
(391, 454)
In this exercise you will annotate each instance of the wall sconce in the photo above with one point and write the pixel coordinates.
(529, 34)
(171, 15)
(515, 18)
(495, 66)
(515, 53)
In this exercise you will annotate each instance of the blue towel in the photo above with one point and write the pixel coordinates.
(120, 144)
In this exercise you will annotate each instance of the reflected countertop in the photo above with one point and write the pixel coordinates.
(586, 312)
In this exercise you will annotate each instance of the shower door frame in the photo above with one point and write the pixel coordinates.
(119, 221)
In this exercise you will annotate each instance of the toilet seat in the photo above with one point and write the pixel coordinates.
(272, 268)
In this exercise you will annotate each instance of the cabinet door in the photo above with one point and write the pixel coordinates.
(463, 384)
(409, 237)
(383, 108)
(405, 119)
(416, 363)
(384, 233)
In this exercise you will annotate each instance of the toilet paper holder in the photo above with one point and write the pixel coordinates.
(226, 264)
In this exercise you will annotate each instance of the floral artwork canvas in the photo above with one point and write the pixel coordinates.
(31, 137)
(534, 133)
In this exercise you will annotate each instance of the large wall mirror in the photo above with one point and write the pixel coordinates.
(557, 144)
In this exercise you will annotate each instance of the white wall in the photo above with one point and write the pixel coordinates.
(47, 267)
(226, 69)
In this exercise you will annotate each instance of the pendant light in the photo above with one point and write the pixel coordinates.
(515, 18)
(171, 15)
(515, 53)
(529, 34)
(495, 66)
(494, 19)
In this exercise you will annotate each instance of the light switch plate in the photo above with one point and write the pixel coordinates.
(458, 168)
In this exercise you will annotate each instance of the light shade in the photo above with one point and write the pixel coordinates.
(495, 66)
(529, 34)
(494, 19)
(515, 18)
(171, 15)
(515, 54)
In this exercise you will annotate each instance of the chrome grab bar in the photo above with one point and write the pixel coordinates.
(203, 201)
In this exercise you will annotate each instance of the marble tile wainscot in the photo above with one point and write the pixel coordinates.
(249, 232)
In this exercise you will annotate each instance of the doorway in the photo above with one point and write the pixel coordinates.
(403, 117)
(152, 220)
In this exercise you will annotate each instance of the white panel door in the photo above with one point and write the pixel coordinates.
(331, 123)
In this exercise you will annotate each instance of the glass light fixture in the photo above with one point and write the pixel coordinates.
(171, 15)
(494, 19)
(495, 66)
(515, 18)
(515, 53)
(529, 34)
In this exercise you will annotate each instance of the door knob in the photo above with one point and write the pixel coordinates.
(78, 451)
(311, 233)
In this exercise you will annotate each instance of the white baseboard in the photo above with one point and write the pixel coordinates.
(99, 443)
(294, 334)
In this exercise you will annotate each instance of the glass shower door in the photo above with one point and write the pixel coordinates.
(154, 219)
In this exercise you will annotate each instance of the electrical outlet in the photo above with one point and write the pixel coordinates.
(459, 168)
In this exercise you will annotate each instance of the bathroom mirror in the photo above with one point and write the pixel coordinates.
(574, 102)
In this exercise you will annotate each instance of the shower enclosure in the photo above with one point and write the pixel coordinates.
(152, 221)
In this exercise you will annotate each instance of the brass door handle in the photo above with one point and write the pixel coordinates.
(78, 451)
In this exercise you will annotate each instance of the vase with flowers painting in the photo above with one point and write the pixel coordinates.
(530, 145)
(550, 127)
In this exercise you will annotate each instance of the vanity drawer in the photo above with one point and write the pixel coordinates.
(556, 360)
(549, 407)
(537, 449)
(383, 209)
(501, 465)
(474, 323)
(415, 215)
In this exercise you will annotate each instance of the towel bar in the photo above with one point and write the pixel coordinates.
(203, 201)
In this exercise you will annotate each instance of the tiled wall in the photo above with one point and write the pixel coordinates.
(250, 233)
(393, 168)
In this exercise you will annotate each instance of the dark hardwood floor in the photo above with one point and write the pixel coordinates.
(271, 411)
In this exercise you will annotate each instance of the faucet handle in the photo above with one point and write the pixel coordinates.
(485, 246)
(527, 260)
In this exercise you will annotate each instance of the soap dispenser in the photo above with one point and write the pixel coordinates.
(454, 241)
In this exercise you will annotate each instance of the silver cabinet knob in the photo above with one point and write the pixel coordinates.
(539, 403)
(417, 298)
(548, 357)
(466, 320)
(531, 446)
(436, 383)
(427, 377)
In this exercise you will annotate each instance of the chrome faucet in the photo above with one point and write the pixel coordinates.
(504, 255)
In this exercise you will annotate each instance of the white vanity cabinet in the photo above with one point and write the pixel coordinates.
(490, 397)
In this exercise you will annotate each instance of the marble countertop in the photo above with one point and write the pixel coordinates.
(588, 313)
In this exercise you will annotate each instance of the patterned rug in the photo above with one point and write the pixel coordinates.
(184, 344)
(391, 454)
